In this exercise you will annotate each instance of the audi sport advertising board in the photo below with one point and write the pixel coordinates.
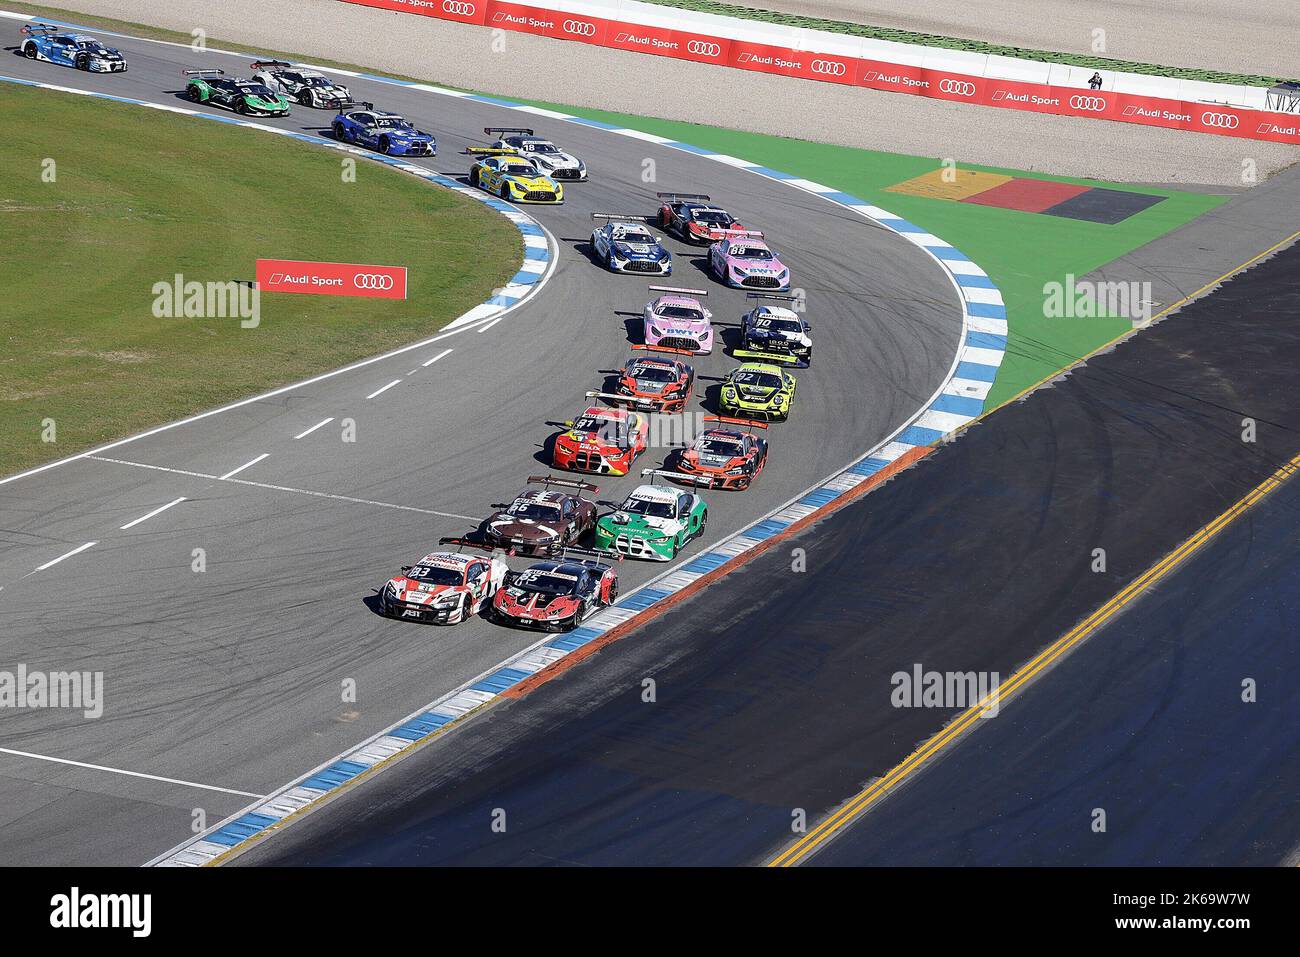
(465, 11)
(525, 19)
(331, 279)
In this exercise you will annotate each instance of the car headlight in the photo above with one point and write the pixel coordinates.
(729, 393)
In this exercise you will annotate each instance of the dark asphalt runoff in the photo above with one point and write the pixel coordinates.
(772, 690)
(229, 681)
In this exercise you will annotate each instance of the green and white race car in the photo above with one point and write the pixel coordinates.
(654, 522)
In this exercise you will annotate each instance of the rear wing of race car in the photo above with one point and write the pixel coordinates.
(489, 130)
(490, 151)
(593, 552)
(623, 217)
(679, 289)
(729, 420)
(632, 400)
(470, 543)
(35, 29)
(775, 296)
(684, 197)
(676, 476)
(643, 347)
(551, 480)
(352, 104)
(781, 358)
(716, 234)
(212, 72)
(270, 64)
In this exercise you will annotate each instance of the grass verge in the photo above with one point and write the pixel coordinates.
(139, 196)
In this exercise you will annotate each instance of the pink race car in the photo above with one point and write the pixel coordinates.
(678, 321)
(741, 258)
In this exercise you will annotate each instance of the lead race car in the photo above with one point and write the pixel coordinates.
(654, 522)
(625, 244)
(741, 258)
(775, 333)
(541, 521)
(443, 588)
(248, 97)
(362, 125)
(693, 218)
(54, 45)
(308, 87)
(678, 321)
(549, 159)
(556, 595)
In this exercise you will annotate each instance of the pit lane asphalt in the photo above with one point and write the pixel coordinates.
(231, 678)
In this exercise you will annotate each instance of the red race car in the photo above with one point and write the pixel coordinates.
(556, 595)
(654, 384)
(691, 217)
(722, 458)
(606, 441)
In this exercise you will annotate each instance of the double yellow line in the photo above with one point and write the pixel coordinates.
(860, 803)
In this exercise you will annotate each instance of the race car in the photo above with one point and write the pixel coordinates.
(249, 97)
(443, 588)
(625, 244)
(556, 595)
(44, 42)
(307, 87)
(549, 159)
(690, 216)
(653, 383)
(678, 320)
(757, 390)
(741, 258)
(654, 522)
(513, 178)
(775, 334)
(542, 521)
(387, 133)
(721, 457)
(603, 441)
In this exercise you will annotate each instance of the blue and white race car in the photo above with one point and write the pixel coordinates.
(625, 244)
(362, 125)
(44, 42)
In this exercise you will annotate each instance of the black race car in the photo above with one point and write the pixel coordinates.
(250, 97)
(555, 595)
(775, 334)
(690, 216)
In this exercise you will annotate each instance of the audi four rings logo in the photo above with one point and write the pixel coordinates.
(828, 67)
(957, 87)
(458, 7)
(1223, 121)
(1090, 104)
(580, 28)
(704, 48)
(372, 281)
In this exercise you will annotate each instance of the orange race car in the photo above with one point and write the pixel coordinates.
(606, 441)
(722, 458)
(652, 383)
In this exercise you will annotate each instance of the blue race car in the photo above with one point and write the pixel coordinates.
(624, 244)
(44, 42)
(361, 124)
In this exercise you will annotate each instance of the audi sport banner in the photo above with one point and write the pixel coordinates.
(331, 279)
(568, 24)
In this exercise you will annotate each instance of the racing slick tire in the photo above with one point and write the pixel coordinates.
(609, 261)
(473, 177)
(29, 50)
(82, 62)
(704, 520)
(384, 145)
(241, 108)
(194, 94)
(466, 608)
(504, 191)
(304, 97)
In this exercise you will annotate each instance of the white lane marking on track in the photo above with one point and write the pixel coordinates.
(131, 774)
(156, 511)
(287, 488)
(489, 325)
(429, 362)
(244, 466)
(308, 432)
(384, 388)
(76, 551)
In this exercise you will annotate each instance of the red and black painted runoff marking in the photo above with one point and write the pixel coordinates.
(1093, 204)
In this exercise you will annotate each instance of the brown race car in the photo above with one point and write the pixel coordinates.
(542, 521)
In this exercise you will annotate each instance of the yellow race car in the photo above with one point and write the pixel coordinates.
(513, 178)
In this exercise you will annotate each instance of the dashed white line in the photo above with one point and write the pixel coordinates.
(244, 466)
(286, 488)
(490, 324)
(145, 518)
(308, 432)
(76, 551)
(429, 362)
(131, 774)
(383, 388)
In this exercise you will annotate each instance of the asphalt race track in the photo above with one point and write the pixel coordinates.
(766, 705)
(230, 679)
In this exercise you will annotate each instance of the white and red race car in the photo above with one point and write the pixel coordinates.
(443, 588)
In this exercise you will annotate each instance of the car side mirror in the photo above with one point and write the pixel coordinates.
(499, 505)
(405, 569)
(567, 423)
